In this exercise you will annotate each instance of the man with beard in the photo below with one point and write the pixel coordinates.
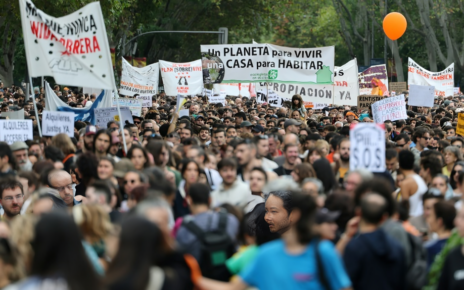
(342, 159)
(291, 158)
(19, 149)
(204, 137)
(199, 122)
(102, 143)
(11, 197)
(246, 154)
(219, 139)
(89, 136)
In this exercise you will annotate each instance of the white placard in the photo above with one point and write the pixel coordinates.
(457, 90)
(443, 81)
(261, 97)
(184, 112)
(367, 147)
(214, 99)
(104, 115)
(274, 99)
(54, 122)
(421, 96)
(245, 63)
(139, 80)
(134, 105)
(182, 78)
(15, 130)
(14, 115)
(393, 108)
(146, 101)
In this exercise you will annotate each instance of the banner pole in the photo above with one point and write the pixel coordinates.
(120, 119)
(35, 106)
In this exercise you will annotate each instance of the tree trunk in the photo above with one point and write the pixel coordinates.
(7, 76)
(431, 55)
(398, 62)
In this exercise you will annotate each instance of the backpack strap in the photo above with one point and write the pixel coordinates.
(192, 227)
(320, 267)
(67, 157)
(222, 224)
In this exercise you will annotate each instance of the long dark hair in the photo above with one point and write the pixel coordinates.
(306, 205)
(58, 250)
(155, 147)
(87, 163)
(141, 247)
(99, 132)
(144, 152)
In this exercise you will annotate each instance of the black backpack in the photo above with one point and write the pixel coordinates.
(216, 247)
(416, 277)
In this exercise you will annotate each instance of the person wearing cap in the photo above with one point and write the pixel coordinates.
(292, 126)
(325, 223)
(137, 121)
(246, 126)
(199, 122)
(350, 116)
(89, 136)
(19, 149)
(257, 130)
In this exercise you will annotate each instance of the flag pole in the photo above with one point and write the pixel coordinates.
(120, 119)
(35, 106)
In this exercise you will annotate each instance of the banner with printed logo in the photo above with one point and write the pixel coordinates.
(443, 81)
(244, 63)
(139, 80)
(73, 49)
(182, 78)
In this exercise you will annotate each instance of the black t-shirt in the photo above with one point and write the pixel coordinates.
(452, 275)
(282, 171)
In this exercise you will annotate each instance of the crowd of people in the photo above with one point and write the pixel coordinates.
(233, 196)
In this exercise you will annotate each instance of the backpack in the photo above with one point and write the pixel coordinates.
(216, 247)
(320, 268)
(416, 276)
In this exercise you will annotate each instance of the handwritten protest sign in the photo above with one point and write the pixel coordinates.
(421, 96)
(398, 87)
(15, 130)
(367, 147)
(214, 99)
(244, 63)
(274, 99)
(182, 78)
(261, 97)
(134, 105)
(365, 101)
(55, 122)
(393, 108)
(146, 101)
(139, 80)
(443, 81)
(460, 126)
(104, 115)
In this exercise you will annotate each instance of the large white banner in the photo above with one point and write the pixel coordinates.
(237, 89)
(346, 86)
(443, 81)
(182, 78)
(243, 63)
(135, 80)
(73, 49)
(374, 81)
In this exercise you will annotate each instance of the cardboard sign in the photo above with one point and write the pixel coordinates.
(367, 147)
(146, 101)
(104, 115)
(14, 115)
(393, 108)
(365, 101)
(15, 130)
(421, 96)
(460, 126)
(134, 105)
(398, 87)
(54, 123)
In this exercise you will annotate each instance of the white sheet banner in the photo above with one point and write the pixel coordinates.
(393, 108)
(244, 63)
(233, 89)
(15, 130)
(374, 81)
(54, 123)
(443, 81)
(73, 49)
(182, 78)
(346, 86)
(139, 80)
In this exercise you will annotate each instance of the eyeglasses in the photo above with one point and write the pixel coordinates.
(11, 198)
(136, 122)
(62, 188)
(132, 181)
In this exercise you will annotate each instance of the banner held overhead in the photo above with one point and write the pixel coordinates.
(142, 81)
(443, 81)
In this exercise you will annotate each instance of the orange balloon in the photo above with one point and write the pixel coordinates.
(394, 25)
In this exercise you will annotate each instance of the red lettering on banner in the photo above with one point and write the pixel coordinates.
(95, 44)
(87, 45)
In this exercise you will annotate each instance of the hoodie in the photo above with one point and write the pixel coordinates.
(375, 261)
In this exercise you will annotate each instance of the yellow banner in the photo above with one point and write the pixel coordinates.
(460, 126)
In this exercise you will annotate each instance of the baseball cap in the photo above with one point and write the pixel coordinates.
(122, 167)
(90, 130)
(258, 128)
(18, 145)
(351, 114)
(290, 122)
(199, 116)
(324, 215)
(246, 124)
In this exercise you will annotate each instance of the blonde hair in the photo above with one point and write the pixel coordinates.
(93, 222)
(22, 234)
(323, 146)
(64, 143)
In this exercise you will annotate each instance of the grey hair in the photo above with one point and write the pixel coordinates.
(317, 182)
(365, 174)
(455, 150)
(153, 201)
(281, 184)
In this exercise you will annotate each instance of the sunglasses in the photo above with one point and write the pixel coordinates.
(132, 181)
(137, 122)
